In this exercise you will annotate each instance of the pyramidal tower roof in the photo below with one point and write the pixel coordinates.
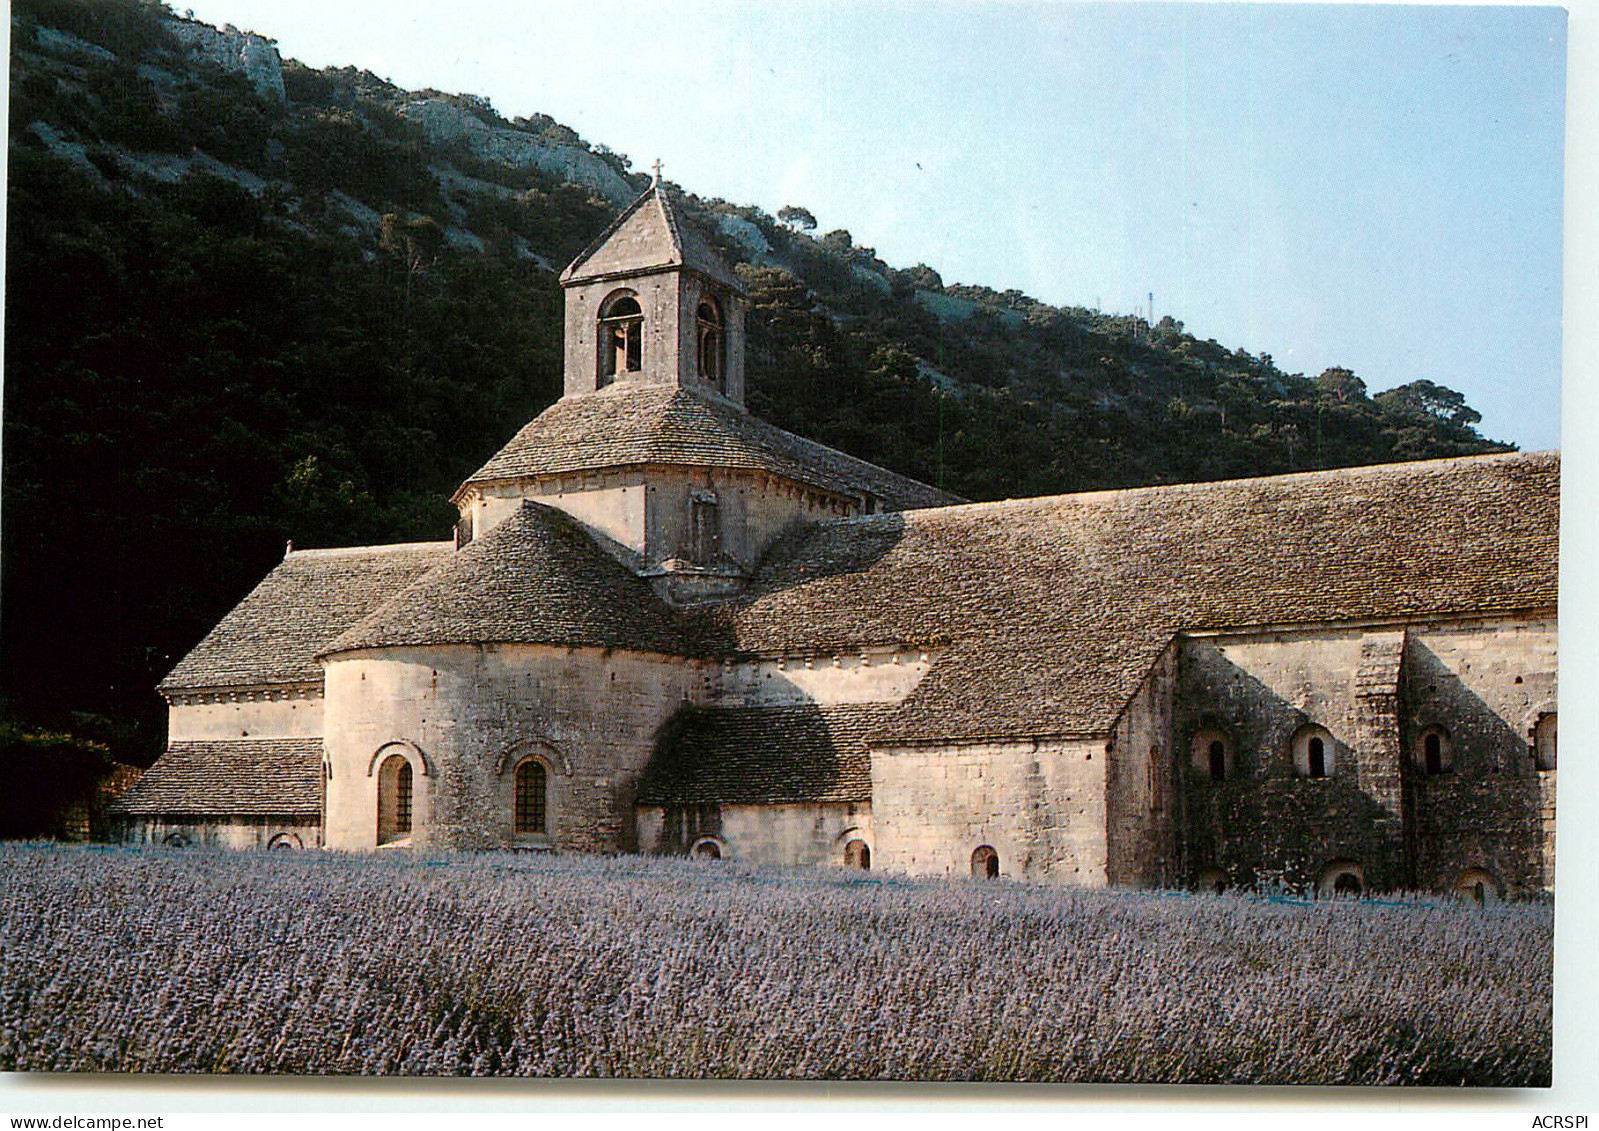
(649, 236)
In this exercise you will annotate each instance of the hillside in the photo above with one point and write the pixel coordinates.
(251, 302)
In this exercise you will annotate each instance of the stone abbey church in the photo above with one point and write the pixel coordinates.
(665, 626)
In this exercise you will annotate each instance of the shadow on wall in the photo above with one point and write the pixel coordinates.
(705, 758)
(1483, 806)
(1270, 817)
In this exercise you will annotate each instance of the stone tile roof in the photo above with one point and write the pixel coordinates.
(649, 235)
(275, 633)
(536, 578)
(1050, 611)
(629, 426)
(242, 777)
(763, 756)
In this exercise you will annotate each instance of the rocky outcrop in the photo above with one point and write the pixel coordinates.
(254, 56)
(446, 123)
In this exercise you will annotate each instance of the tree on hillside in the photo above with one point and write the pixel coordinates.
(1426, 398)
(797, 218)
(1341, 385)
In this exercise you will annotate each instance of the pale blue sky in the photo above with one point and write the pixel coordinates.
(1368, 186)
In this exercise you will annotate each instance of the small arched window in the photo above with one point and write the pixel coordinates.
(621, 337)
(1479, 885)
(707, 849)
(985, 863)
(176, 840)
(711, 340)
(1211, 754)
(1434, 753)
(532, 809)
(858, 854)
(1313, 752)
(1341, 878)
(1543, 742)
(394, 799)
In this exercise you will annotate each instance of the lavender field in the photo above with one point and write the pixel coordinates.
(187, 961)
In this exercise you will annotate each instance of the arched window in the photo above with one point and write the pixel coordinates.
(985, 863)
(1433, 754)
(286, 840)
(1211, 754)
(1479, 885)
(1313, 752)
(532, 809)
(1341, 878)
(858, 854)
(711, 351)
(707, 849)
(621, 337)
(1543, 742)
(176, 840)
(394, 799)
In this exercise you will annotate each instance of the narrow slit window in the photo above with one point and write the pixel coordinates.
(1543, 742)
(1318, 757)
(1218, 760)
(532, 797)
(705, 531)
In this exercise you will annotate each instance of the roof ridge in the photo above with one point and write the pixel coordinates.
(278, 740)
(381, 548)
(668, 213)
(1437, 466)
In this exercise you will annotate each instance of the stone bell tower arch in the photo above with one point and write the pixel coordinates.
(650, 304)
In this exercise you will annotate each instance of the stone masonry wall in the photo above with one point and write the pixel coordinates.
(1377, 693)
(783, 836)
(609, 503)
(658, 297)
(465, 715)
(238, 832)
(1492, 809)
(1141, 793)
(1265, 820)
(1039, 805)
(286, 712)
(642, 515)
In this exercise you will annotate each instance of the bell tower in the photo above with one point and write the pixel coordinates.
(650, 304)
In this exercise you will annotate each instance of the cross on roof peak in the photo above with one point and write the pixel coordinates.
(657, 171)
